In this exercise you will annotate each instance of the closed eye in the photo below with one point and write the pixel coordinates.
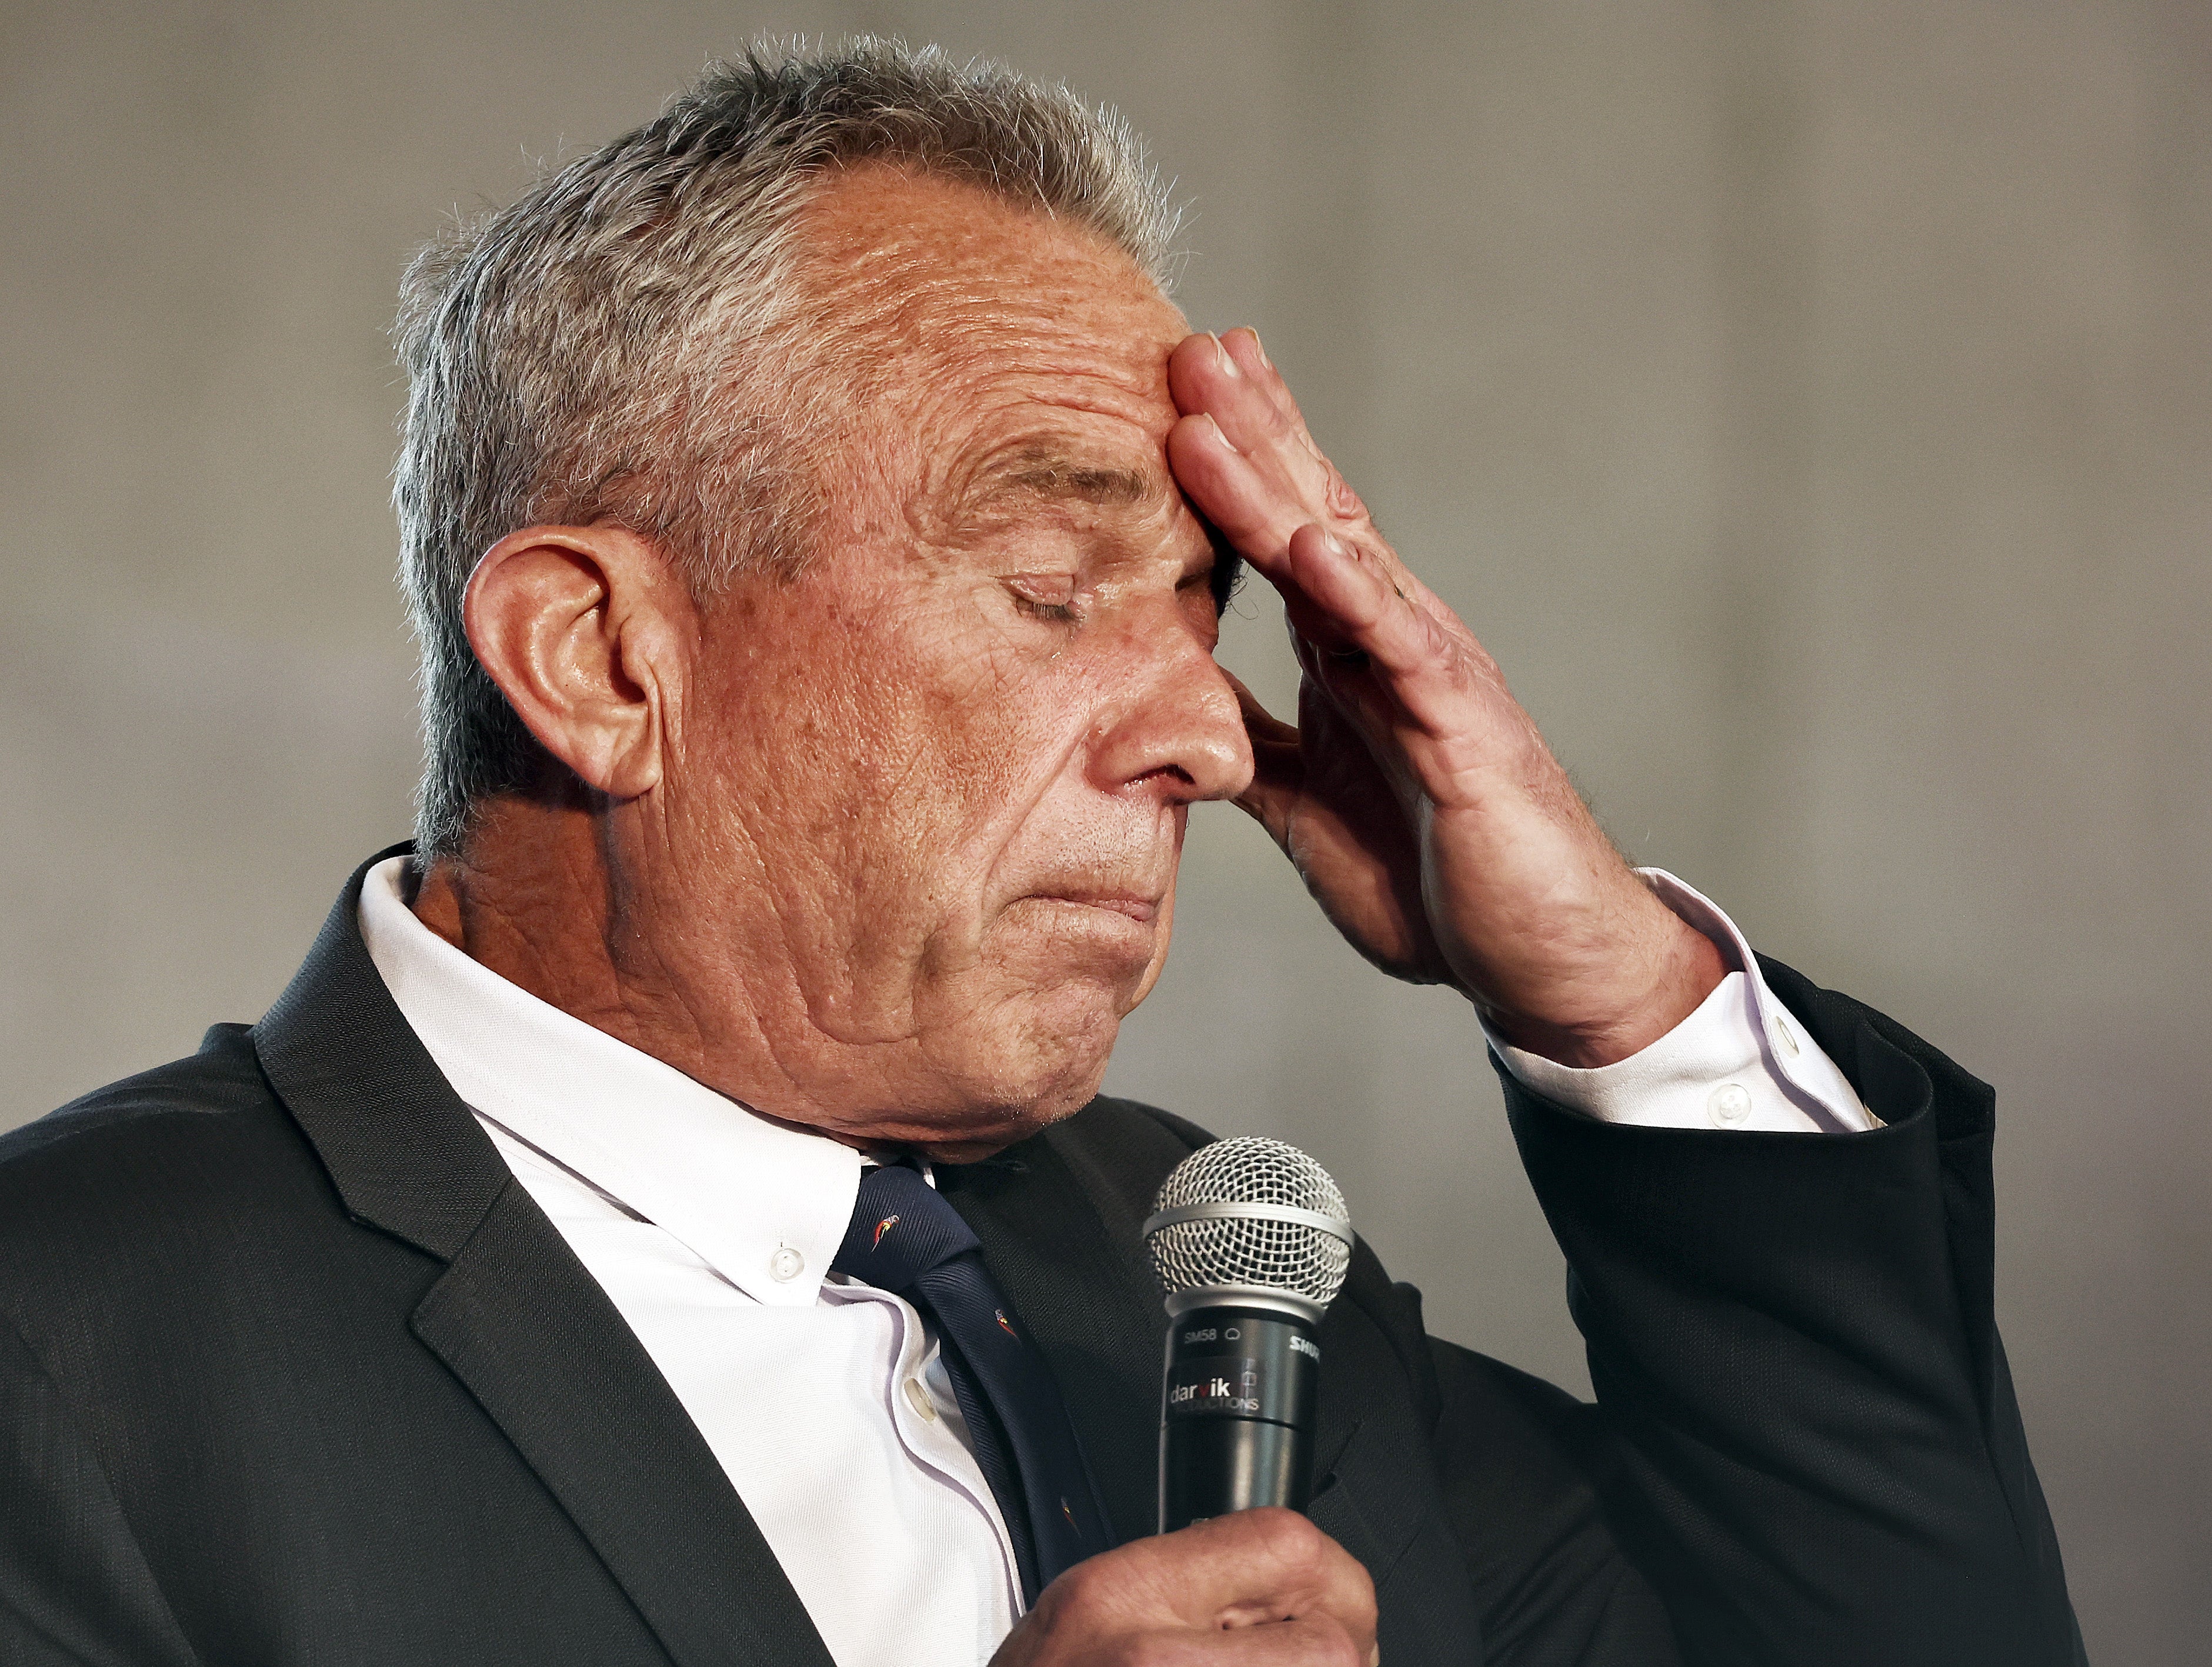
(1062, 612)
(1044, 596)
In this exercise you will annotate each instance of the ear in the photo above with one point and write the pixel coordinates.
(583, 629)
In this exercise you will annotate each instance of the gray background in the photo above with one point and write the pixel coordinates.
(1809, 404)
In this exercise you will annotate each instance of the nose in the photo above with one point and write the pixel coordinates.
(1175, 726)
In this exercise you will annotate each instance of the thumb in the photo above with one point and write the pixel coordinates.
(1278, 764)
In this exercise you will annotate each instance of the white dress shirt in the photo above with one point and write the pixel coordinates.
(712, 1230)
(1741, 1061)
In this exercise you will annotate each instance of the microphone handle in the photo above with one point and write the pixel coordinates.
(1237, 1413)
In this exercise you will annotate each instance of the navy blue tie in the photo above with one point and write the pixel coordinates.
(905, 1238)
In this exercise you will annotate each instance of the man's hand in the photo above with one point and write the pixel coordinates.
(1265, 1588)
(1415, 796)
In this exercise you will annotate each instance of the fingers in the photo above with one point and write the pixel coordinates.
(1392, 656)
(1253, 508)
(1253, 469)
(1257, 1587)
(1253, 512)
(1255, 1566)
(1318, 1643)
(1322, 1643)
(1265, 729)
(1274, 1565)
(1386, 651)
(1243, 453)
(1366, 609)
(1278, 764)
(1231, 378)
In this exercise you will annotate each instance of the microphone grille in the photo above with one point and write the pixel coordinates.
(1256, 1249)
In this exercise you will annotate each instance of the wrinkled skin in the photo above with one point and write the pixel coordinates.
(887, 850)
(1263, 1587)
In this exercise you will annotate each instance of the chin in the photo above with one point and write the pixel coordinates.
(1024, 1082)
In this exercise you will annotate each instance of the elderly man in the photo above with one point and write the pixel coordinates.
(817, 520)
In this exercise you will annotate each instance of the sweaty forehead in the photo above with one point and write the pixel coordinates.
(948, 294)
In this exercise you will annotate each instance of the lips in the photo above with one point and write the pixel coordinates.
(1142, 910)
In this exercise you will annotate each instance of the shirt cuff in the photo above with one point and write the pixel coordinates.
(1741, 1061)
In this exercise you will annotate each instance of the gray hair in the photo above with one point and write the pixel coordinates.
(630, 342)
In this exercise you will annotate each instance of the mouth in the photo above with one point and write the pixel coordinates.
(1142, 910)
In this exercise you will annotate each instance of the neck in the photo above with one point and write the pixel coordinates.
(537, 899)
(532, 899)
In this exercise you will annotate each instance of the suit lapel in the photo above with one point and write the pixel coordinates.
(516, 1315)
(520, 1322)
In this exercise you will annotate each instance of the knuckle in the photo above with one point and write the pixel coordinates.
(1285, 1535)
(1082, 1590)
(1441, 646)
(1342, 499)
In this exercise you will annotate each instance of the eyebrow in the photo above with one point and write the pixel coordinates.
(1049, 473)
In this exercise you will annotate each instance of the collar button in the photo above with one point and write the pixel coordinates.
(786, 1263)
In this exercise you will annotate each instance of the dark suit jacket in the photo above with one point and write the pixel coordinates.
(292, 1370)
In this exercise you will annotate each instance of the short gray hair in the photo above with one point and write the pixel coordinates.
(626, 342)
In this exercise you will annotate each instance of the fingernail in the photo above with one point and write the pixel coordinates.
(1260, 347)
(1221, 437)
(1228, 363)
(1333, 544)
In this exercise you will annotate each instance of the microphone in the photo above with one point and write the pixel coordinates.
(1251, 1241)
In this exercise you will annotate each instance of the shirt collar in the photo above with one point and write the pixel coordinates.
(736, 1190)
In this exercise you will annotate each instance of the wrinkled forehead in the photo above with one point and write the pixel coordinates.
(944, 295)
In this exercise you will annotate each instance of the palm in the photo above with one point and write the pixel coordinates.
(1320, 795)
(1415, 797)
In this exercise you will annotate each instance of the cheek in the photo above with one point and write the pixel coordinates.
(995, 758)
(875, 762)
